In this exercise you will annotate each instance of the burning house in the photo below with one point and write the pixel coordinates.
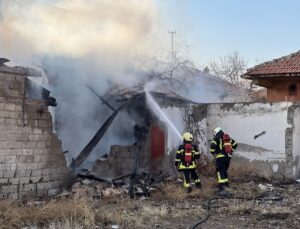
(154, 137)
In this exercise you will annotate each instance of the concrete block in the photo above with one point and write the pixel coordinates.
(10, 159)
(37, 131)
(42, 165)
(41, 186)
(8, 174)
(16, 152)
(25, 159)
(41, 145)
(37, 137)
(37, 158)
(23, 173)
(36, 172)
(19, 137)
(3, 181)
(30, 145)
(40, 151)
(27, 195)
(28, 152)
(14, 129)
(12, 166)
(24, 180)
(14, 180)
(41, 192)
(28, 187)
(13, 196)
(46, 172)
(35, 180)
(48, 178)
(18, 107)
(53, 191)
(11, 145)
(9, 189)
(6, 152)
(10, 107)
(32, 166)
(22, 166)
(2, 159)
(13, 121)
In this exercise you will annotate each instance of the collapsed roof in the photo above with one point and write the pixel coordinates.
(126, 97)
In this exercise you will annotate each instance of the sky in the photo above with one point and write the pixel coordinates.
(260, 30)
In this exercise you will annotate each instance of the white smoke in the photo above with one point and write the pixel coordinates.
(80, 43)
(94, 43)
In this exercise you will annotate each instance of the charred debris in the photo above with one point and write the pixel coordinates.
(137, 168)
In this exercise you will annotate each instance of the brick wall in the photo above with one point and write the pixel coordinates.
(32, 163)
(280, 91)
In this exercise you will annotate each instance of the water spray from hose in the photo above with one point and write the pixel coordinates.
(156, 108)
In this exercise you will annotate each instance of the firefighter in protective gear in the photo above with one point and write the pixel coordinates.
(185, 161)
(222, 147)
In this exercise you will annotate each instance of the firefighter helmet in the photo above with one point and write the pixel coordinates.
(188, 137)
(217, 130)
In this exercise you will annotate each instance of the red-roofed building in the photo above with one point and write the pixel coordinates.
(280, 76)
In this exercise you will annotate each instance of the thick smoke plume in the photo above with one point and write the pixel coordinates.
(79, 43)
(94, 43)
(75, 28)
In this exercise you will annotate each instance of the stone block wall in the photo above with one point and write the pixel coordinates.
(32, 163)
(121, 161)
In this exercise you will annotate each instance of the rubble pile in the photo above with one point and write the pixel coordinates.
(138, 185)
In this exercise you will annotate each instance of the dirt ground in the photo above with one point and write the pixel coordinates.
(276, 206)
(252, 204)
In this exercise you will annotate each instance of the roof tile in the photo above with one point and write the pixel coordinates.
(289, 64)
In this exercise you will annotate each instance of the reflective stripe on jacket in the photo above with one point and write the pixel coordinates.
(216, 147)
(180, 157)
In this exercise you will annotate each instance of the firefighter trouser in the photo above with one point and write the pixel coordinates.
(222, 165)
(188, 174)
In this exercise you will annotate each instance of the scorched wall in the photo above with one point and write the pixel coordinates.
(32, 163)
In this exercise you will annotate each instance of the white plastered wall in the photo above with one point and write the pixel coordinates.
(296, 143)
(267, 121)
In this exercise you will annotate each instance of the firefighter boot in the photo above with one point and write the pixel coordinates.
(221, 187)
(198, 185)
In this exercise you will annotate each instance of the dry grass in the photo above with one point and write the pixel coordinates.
(124, 212)
(175, 191)
(75, 212)
(206, 167)
(237, 170)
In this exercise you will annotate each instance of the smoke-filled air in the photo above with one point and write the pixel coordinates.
(98, 44)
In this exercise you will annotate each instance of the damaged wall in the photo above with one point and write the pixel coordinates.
(32, 163)
(260, 130)
(267, 133)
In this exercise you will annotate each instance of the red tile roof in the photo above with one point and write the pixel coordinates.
(286, 65)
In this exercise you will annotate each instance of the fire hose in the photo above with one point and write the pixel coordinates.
(265, 196)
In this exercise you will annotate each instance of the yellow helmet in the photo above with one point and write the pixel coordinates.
(188, 137)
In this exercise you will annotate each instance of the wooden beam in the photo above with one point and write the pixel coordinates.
(264, 83)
